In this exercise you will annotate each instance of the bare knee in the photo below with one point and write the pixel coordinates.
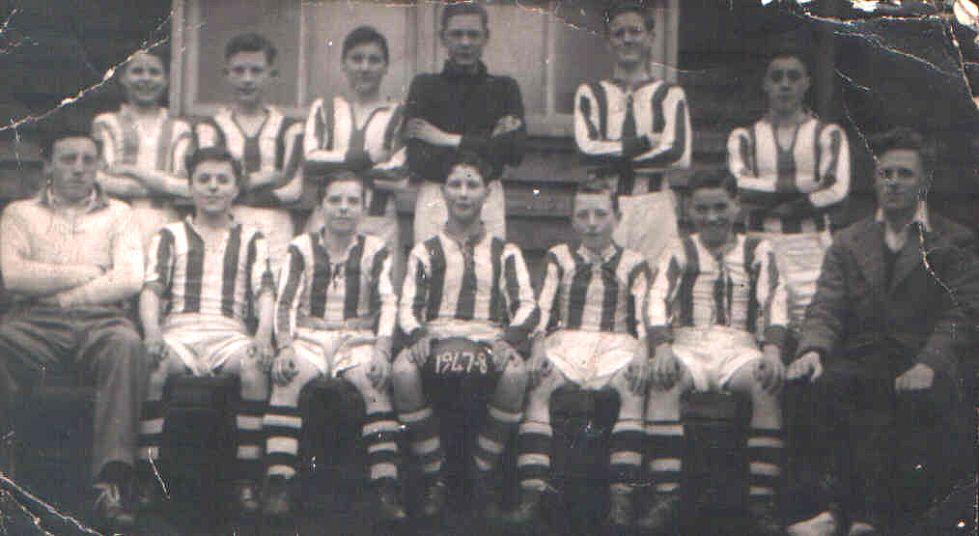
(515, 373)
(404, 371)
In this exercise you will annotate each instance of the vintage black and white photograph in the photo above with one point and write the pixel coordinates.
(489, 267)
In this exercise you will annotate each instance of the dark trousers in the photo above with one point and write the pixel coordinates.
(98, 343)
(888, 454)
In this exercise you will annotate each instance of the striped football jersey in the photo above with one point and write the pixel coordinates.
(482, 280)
(124, 141)
(743, 289)
(814, 172)
(354, 287)
(583, 291)
(195, 277)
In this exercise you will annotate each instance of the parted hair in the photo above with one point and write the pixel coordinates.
(595, 185)
(362, 35)
(343, 175)
(250, 42)
(464, 8)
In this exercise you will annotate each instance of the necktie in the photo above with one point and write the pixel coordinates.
(627, 177)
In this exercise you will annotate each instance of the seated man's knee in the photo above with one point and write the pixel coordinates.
(404, 370)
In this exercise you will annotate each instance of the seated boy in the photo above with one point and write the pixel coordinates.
(590, 305)
(334, 317)
(716, 295)
(464, 283)
(206, 273)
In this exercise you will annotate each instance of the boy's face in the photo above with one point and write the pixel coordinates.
(594, 219)
(629, 39)
(72, 168)
(713, 212)
(213, 187)
(465, 192)
(464, 38)
(365, 67)
(343, 207)
(249, 74)
(144, 79)
(899, 181)
(786, 84)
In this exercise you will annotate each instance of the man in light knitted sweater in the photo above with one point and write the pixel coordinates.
(70, 256)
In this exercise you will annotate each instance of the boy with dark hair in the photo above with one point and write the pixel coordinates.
(206, 274)
(716, 297)
(591, 334)
(792, 170)
(335, 317)
(72, 258)
(143, 148)
(464, 283)
(267, 144)
(635, 128)
(463, 108)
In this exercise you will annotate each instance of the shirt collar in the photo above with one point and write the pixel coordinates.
(920, 216)
(451, 70)
(474, 239)
(96, 200)
(321, 236)
(607, 254)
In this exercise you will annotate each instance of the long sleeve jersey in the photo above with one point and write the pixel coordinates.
(44, 245)
(812, 173)
(483, 280)
(278, 146)
(197, 278)
(469, 104)
(356, 287)
(332, 141)
(742, 289)
(163, 148)
(660, 115)
(585, 291)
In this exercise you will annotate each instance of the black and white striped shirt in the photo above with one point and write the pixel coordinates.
(588, 292)
(223, 279)
(353, 288)
(742, 289)
(484, 279)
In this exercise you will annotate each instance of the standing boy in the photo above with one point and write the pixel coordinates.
(635, 128)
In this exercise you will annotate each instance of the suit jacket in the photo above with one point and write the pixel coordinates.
(923, 315)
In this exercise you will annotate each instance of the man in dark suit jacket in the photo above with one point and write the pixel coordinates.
(882, 342)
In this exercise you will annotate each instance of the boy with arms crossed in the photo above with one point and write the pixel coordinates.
(335, 316)
(210, 272)
(591, 306)
(716, 295)
(635, 128)
(464, 283)
(267, 145)
(143, 148)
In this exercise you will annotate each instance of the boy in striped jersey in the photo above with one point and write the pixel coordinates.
(335, 316)
(591, 307)
(464, 283)
(635, 128)
(716, 295)
(267, 145)
(143, 148)
(208, 273)
(792, 169)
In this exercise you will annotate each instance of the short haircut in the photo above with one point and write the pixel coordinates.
(49, 139)
(790, 52)
(714, 178)
(902, 138)
(472, 160)
(595, 185)
(250, 42)
(363, 35)
(464, 8)
(214, 154)
(618, 8)
(343, 175)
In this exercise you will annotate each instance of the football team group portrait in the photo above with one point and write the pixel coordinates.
(611, 267)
